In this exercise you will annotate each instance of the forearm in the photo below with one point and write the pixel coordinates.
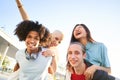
(51, 52)
(106, 69)
(16, 67)
(52, 68)
(54, 63)
(22, 10)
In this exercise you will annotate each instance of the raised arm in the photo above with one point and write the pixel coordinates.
(22, 10)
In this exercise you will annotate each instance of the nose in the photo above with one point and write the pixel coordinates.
(56, 43)
(73, 55)
(32, 40)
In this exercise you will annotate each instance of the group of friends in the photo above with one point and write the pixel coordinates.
(86, 58)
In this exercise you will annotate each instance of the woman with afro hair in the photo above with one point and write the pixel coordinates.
(32, 64)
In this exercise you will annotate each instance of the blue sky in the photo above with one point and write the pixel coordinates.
(101, 16)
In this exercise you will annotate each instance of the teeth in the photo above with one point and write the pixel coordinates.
(77, 33)
(31, 45)
(73, 62)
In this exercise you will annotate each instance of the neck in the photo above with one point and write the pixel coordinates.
(80, 69)
(83, 41)
(33, 51)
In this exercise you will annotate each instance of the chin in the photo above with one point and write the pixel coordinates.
(73, 65)
(78, 37)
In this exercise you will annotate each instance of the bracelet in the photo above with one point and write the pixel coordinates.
(20, 6)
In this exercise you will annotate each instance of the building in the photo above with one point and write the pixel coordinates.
(8, 48)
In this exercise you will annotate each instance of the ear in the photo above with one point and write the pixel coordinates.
(84, 55)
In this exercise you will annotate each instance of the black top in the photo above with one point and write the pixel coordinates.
(100, 74)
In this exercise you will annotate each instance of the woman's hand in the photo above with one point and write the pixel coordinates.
(89, 72)
(48, 53)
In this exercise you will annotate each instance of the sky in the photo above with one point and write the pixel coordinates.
(102, 17)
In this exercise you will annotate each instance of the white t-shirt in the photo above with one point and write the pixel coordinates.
(33, 69)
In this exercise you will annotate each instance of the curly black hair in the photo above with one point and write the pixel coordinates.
(24, 27)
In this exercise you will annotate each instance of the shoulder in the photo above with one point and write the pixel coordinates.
(100, 75)
(20, 54)
(21, 51)
(94, 45)
(68, 75)
(100, 44)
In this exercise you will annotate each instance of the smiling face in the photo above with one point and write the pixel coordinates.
(75, 55)
(32, 41)
(79, 32)
(56, 39)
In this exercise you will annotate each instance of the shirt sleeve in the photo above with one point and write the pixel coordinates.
(104, 55)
